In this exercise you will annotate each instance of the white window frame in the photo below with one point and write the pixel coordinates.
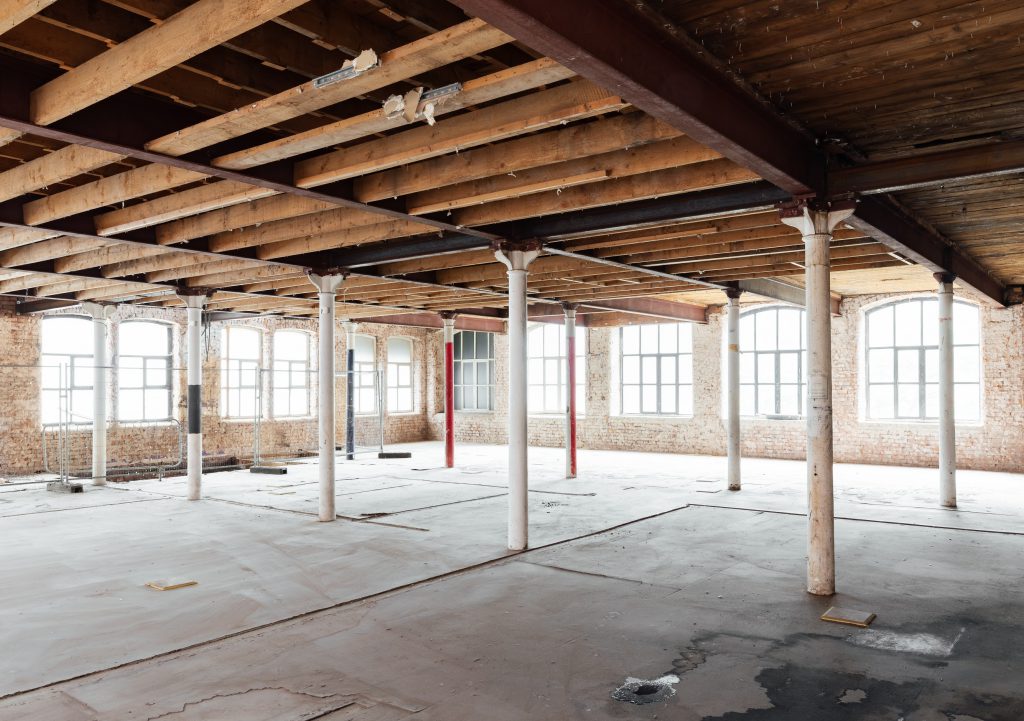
(395, 372)
(751, 365)
(285, 369)
(462, 364)
(365, 379)
(542, 361)
(653, 366)
(239, 375)
(51, 371)
(166, 385)
(921, 364)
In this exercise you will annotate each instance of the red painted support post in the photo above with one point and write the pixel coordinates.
(449, 389)
(570, 419)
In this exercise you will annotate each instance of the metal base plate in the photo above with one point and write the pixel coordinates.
(848, 616)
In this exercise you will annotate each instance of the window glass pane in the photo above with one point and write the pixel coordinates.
(880, 401)
(908, 400)
(156, 404)
(648, 339)
(930, 322)
(880, 366)
(66, 335)
(931, 400)
(551, 401)
(931, 365)
(668, 399)
(156, 372)
(668, 336)
(630, 399)
(83, 372)
(685, 337)
(766, 329)
(649, 399)
(405, 375)
(789, 400)
(908, 365)
(649, 369)
(790, 320)
(747, 332)
(747, 406)
(399, 350)
(130, 405)
(291, 345)
(789, 368)
(908, 323)
(965, 364)
(243, 343)
(630, 340)
(967, 401)
(551, 368)
(143, 338)
(365, 349)
(880, 327)
(766, 368)
(631, 369)
(668, 370)
(965, 324)
(686, 368)
(747, 367)
(766, 399)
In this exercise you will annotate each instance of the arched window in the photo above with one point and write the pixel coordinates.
(143, 371)
(400, 398)
(546, 369)
(773, 362)
(239, 372)
(291, 373)
(656, 369)
(67, 369)
(902, 364)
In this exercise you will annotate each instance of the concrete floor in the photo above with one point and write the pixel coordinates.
(410, 607)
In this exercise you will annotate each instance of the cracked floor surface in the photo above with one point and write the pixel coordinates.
(420, 613)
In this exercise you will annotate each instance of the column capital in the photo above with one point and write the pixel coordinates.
(517, 255)
(812, 216)
(327, 280)
(733, 293)
(349, 325)
(944, 277)
(194, 297)
(99, 311)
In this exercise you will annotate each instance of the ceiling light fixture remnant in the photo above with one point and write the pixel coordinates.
(366, 60)
(418, 104)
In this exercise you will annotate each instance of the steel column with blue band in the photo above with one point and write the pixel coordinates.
(350, 393)
(195, 302)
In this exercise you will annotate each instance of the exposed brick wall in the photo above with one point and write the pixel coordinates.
(139, 444)
(997, 443)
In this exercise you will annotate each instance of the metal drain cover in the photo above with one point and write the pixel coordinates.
(643, 691)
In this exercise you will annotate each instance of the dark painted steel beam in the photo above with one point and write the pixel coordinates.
(30, 306)
(654, 308)
(887, 223)
(610, 44)
(929, 169)
(775, 289)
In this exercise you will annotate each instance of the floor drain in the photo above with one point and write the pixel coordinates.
(642, 691)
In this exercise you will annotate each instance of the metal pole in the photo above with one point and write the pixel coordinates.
(449, 389)
(327, 288)
(816, 227)
(947, 416)
(350, 395)
(517, 262)
(100, 326)
(194, 368)
(732, 385)
(570, 391)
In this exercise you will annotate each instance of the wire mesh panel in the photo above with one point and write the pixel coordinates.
(368, 406)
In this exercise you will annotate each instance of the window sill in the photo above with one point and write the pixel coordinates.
(402, 414)
(910, 422)
(654, 416)
(288, 419)
(799, 419)
(164, 423)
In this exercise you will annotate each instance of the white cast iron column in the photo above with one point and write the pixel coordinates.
(816, 226)
(947, 416)
(194, 303)
(449, 388)
(732, 387)
(327, 288)
(100, 327)
(517, 259)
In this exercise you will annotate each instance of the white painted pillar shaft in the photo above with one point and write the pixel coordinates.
(517, 262)
(101, 361)
(194, 372)
(732, 384)
(816, 227)
(327, 288)
(947, 416)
